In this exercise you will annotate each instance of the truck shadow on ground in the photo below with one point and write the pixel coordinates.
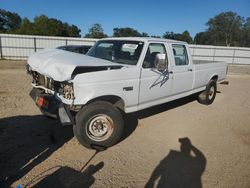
(182, 168)
(26, 141)
(166, 106)
(132, 119)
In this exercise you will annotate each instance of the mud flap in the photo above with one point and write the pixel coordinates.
(64, 115)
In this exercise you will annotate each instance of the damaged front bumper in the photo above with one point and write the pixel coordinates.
(52, 106)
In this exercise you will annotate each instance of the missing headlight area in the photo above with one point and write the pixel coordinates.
(66, 89)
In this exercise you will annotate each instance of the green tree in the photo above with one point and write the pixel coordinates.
(245, 34)
(41, 25)
(9, 21)
(155, 36)
(26, 27)
(48, 26)
(185, 36)
(126, 32)
(225, 28)
(52, 27)
(96, 31)
(74, 31)
(169, 35)
(202, 38)
(144, 34)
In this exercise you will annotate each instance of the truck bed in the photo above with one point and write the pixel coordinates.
(205, 70)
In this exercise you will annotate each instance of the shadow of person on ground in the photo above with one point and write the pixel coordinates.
(179, 169)
(26, 141)
(65, 177)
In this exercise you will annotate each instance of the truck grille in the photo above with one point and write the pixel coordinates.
(41, 80)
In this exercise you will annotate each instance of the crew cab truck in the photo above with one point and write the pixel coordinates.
(116, 76)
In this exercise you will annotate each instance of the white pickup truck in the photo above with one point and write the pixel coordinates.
(117, 75)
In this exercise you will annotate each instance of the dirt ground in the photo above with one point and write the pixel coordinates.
(38, 152)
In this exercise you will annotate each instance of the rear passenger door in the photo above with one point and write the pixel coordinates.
(183, 74)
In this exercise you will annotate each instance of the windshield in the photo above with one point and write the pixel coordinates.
(124, 52)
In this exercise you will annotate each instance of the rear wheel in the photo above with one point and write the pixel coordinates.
(207, 97)
(98, 125)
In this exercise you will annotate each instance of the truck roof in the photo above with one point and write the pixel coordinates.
(144, 39)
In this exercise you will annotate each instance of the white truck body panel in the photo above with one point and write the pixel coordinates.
(204, 73)
(89, 86)
(148, 87)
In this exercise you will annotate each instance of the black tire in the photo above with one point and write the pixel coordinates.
(207, 97)
(98, 117)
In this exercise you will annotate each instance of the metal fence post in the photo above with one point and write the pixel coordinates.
(233, 57)
(214, 54)
(1, 51)
(66, 42)
(35, 44)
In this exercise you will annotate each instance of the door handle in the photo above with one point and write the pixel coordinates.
(190, 69)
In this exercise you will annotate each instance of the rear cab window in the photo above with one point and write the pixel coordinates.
(180, 54)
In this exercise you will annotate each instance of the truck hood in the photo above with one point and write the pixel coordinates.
(60, 65)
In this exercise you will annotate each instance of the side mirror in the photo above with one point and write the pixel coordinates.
(161, 62)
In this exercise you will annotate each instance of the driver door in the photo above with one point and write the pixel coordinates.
(154, 85)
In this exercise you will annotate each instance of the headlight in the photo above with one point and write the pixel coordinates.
(66, 90)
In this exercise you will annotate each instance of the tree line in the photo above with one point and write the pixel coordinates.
(224, 29)
(12, 23)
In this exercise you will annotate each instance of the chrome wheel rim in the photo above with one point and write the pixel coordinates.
(211, 92)
(100, 127)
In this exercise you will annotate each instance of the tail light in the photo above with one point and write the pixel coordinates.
(42, 103)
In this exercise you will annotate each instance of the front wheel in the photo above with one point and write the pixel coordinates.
(207, 97)
(98, 125)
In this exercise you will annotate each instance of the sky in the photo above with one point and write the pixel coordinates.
(153, 17)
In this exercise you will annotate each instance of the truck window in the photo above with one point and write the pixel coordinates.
(180, 54)
(153, 49)
(124, 52)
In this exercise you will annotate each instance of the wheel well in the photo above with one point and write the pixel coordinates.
(214, 78)
(115, 100)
